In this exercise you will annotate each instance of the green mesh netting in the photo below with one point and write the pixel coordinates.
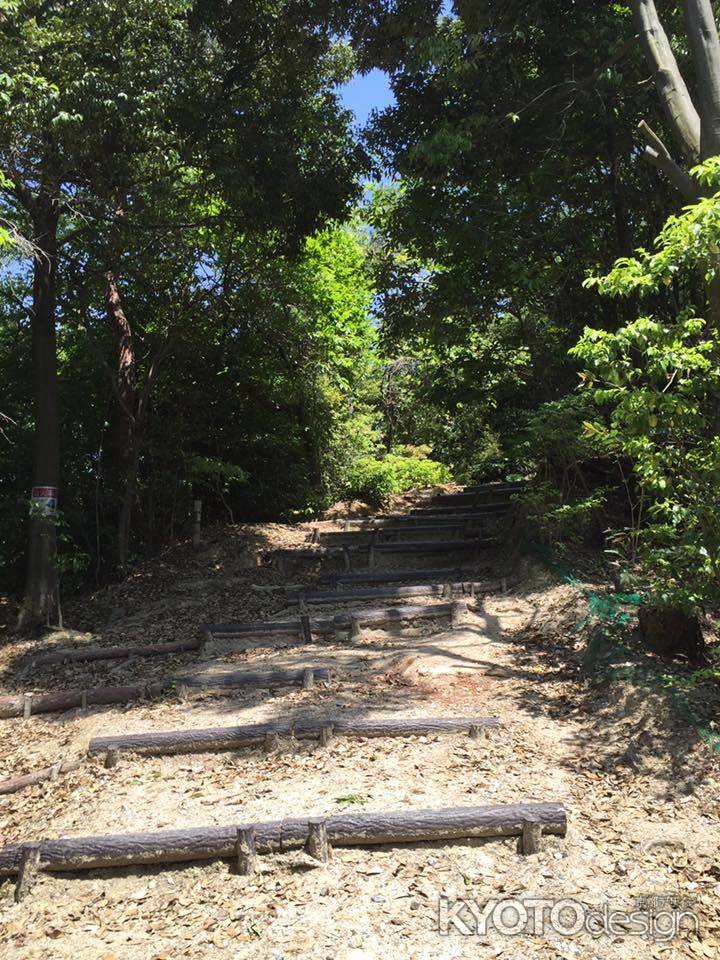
(606, 653)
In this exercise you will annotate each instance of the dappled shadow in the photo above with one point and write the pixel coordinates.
(620, 721)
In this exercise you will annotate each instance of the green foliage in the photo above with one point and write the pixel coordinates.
(658, 380)
(377, 479)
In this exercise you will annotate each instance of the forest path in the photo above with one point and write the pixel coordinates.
(641, 795)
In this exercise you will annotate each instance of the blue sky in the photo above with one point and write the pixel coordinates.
(372, 91)
(365, 93)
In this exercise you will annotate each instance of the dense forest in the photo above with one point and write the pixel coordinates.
(216, 285)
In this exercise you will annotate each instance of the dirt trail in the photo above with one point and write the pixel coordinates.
(641, 793)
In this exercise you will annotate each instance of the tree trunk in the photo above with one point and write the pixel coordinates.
(705, 45)
(41, 592)
(125, 439)
(674, 96)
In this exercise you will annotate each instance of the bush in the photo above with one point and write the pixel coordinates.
(376, 480)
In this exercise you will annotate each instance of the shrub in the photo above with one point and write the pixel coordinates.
(377, 479)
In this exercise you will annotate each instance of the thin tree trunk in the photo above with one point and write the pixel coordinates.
(41, 592)
(125, 433)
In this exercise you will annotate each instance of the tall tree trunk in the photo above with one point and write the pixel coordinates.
(41, 592)
(705, 45)
(125, 440)
(696, 131)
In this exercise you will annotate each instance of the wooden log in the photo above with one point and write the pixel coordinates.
(246, 851)
(445, 590)
(457, 609)
(61, 700)
(343, 830)
(404, 521)
(435, 546)
(15, 784)
(365, 535)
(28, 869)
(407, 546)
(531, 837)
(393, 614)
(305, 628)
(306, 553)
(317, 845)
(393, 576)
(259, 626)
(503, 486)
(338, 622)
(80, 654)
(468, 511)
(197, 740)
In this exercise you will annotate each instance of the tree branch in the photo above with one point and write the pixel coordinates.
(671, 87)
(658, 155)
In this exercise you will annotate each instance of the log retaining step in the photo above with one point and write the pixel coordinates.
(465, 509)
(357, 829)
(79, 654)
(56, 701)
(463, 587)
(403, 521)
(442, 575)
(254, 735)
(341, 621)
(15, 784)
(384, 535)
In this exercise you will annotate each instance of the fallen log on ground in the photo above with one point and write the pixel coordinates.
(343, 830)
(415, 590)
(339, 622)
(25, 704)
(253, 735)
(78, 654)
(38, 776)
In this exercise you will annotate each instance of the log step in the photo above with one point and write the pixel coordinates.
(16, 784)
(433, 546)
(415, 590)
(384, 535)
(504, 486)
(403, 521)
(341, 621)
(442, 575)
(79, 654)
(343, 830)
(25, 705)
(397, 546)
(476, 500)
(253, 735)
(467, 510)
